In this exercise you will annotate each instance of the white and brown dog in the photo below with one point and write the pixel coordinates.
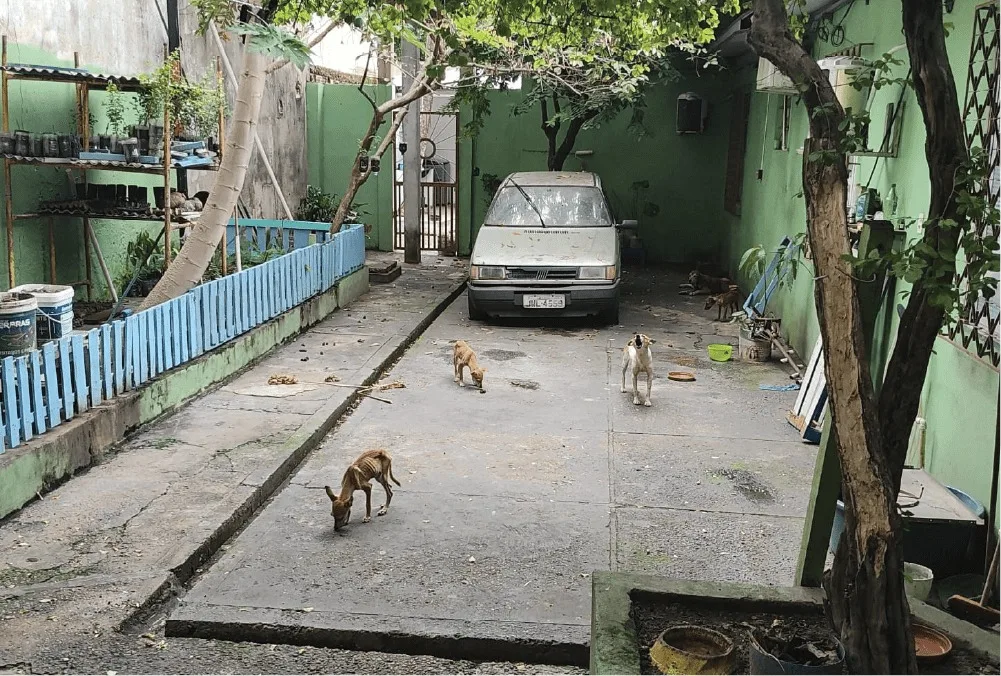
(637, 358)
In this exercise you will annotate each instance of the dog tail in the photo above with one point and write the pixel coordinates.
(389, 473)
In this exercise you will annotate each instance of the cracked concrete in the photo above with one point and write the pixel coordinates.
(89, 553)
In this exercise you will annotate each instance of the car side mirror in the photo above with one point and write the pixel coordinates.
(629, 225)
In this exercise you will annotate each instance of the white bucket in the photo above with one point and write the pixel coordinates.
(918, 580)
(17, 323)
(55, 309)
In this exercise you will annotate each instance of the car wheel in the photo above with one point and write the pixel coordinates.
(611, 314)
(475, 313)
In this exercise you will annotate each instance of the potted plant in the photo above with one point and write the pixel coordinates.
(143, 263)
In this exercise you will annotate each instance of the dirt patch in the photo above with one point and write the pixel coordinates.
(525, 384)
(747, 484)
(653, 615)
(685, 361)
(502, 355)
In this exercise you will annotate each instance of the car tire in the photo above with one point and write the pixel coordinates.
(610, 315)
(475, 313)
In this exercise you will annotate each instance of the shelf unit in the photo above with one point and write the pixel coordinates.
(84, 81)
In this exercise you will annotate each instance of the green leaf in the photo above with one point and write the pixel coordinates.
(275, 42)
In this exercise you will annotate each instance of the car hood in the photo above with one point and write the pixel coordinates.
(557, 247)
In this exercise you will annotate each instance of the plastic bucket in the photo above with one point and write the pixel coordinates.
(918, 580)
(55, 309)
(753, 349)
(720, 351)
(17, 323)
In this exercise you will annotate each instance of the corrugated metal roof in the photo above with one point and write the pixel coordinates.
(67, 74)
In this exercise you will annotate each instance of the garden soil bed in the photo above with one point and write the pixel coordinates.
(653, 614)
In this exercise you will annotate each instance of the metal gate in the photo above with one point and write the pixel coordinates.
(439, 190)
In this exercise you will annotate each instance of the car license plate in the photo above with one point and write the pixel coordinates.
(544, 302)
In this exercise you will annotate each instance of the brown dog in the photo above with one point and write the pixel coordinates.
(369, 465)
(462, 357)
(725, 302)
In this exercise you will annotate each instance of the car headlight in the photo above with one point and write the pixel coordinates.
(486, 272)
(605, 272)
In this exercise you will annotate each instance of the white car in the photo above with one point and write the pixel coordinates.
(548, 246)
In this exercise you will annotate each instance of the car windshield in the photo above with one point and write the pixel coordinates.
(560, 206)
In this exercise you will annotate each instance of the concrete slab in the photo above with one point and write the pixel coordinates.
(722, 475)
(522, 479)
(694, 545)
(104, 546)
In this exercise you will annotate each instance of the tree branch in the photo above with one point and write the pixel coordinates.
(946, 152)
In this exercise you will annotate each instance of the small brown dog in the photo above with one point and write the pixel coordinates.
(369, 465)
(462, 357)
(725, 302)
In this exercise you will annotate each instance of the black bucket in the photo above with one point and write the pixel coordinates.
(763, 662)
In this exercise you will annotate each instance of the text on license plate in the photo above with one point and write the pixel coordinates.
(544, 301)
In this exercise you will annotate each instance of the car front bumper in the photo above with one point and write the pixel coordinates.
(507, 300)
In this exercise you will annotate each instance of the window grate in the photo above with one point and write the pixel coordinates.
(978, 329)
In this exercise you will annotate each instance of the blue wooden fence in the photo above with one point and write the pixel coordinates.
(48, 387)
(267, 233)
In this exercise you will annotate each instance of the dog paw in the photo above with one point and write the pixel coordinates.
(648, 403)
(382, 512)
(636, 401)
(623, 390)
(366, 519)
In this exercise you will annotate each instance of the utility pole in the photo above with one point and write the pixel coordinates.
(410, 56)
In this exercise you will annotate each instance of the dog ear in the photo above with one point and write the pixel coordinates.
(652, 341)
(330, 494)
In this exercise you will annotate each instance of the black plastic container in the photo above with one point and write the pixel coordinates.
(22, 143)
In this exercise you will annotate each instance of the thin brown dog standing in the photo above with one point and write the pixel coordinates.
(462, 357)
(725, 302)
(369, 465)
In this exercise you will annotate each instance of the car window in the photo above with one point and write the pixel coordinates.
(561, 206)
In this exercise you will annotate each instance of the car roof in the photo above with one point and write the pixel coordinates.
(555, 178)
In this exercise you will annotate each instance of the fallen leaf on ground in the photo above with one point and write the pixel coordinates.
(331, 379)
(282, 379)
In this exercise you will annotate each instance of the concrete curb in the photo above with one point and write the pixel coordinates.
(466, 640)
(47, 461)
(295, 450)
(615, 645)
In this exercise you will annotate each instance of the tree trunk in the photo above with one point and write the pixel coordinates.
(358, 177)
(946, 151)
(558, 156)
(396, 107)
(866, 588)
(194, 257)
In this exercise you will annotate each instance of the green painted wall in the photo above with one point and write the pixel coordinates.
(48, 107)
(961, 391)
(680, 210)
(337, 117)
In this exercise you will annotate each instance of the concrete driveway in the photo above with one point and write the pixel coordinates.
(512, 498)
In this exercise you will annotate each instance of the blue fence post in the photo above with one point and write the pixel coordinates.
(38, 401)
(24, 396)
(79, 373)
(52, 398)
(66, 377)
(94, 365)
(11, 418)
(109, 383)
